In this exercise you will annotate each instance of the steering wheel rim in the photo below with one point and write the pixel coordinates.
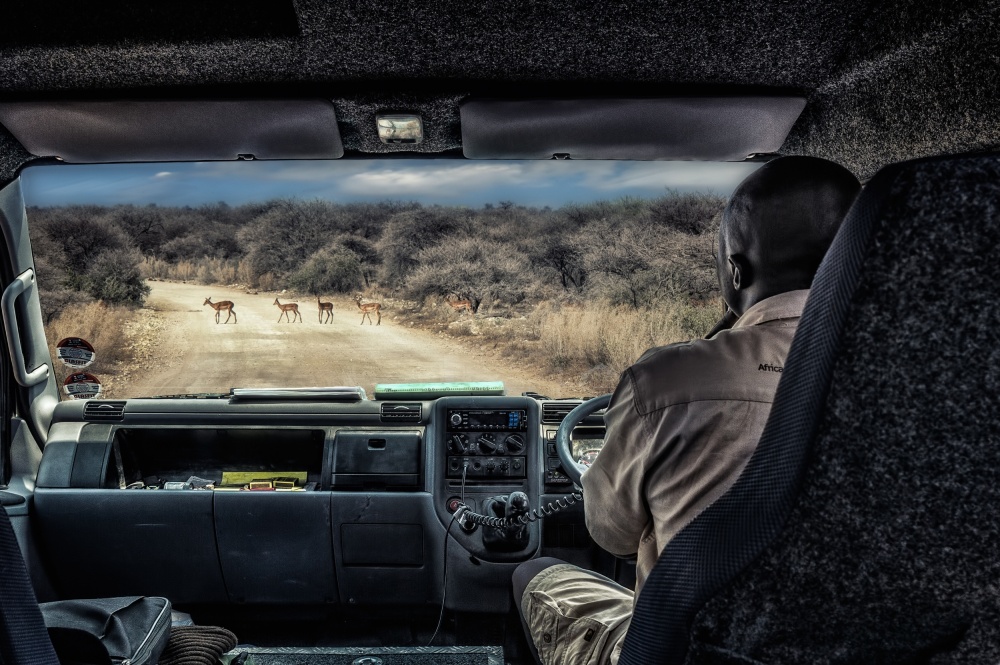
(564, 444)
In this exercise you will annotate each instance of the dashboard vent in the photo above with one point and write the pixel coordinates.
(103, 410)
(553, 413)
(400, 412)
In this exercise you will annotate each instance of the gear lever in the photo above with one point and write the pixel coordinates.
(513, 537)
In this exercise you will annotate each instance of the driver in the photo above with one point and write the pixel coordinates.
(686, 417)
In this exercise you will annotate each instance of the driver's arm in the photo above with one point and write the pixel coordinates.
(614, 500)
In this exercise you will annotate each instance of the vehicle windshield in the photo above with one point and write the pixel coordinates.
(548, 276)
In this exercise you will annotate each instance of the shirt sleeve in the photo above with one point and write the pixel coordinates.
(614, 501)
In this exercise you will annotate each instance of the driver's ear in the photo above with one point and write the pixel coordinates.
(739, 272)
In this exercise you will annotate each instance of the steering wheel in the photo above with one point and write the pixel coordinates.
(564, 443)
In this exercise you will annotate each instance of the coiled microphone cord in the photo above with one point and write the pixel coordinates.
(464, 514)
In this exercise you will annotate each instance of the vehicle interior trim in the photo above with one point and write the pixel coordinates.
(82, 131)
(682, 128)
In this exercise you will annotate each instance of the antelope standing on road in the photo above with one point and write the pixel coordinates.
(292, 307)
(325, 308)
(226, 305)
(367, 309)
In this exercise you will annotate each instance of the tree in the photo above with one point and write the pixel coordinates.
(484, 271)
(557, 246)
(366, 253)
(408, 233)
(331, 269)
(284, 236)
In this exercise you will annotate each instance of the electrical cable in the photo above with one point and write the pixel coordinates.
(467, 515)
(444, 584)
(532, 515)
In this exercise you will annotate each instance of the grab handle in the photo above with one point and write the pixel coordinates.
(21, 284)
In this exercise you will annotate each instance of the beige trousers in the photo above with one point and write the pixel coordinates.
(575, 616)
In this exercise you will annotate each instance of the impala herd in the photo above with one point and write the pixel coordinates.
(290, 310)
(457, 303)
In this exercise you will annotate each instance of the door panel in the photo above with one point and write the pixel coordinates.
(42, 397)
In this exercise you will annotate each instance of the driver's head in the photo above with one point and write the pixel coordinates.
(777, 226)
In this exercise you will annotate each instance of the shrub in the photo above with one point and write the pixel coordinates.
(408, 233)
(485, 272)
(114, 277)
(331, 269)
(280, 239)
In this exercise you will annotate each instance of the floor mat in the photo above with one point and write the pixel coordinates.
(368, 656)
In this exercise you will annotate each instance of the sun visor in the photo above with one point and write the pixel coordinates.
(163, 131)
(681, 128)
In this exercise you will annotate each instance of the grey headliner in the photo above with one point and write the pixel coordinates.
(885, 81)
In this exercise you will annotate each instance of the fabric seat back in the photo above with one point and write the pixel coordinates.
(865, 528)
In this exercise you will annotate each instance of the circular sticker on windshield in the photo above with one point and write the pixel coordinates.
(75, 352)
(82, 385)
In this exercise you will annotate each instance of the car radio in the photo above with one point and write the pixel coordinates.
(486, 443)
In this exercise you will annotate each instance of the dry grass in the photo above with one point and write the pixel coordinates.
(204, 271)
(615, 337)
(588, 345)
(105, 327)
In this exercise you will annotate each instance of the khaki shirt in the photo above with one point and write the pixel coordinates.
(682, 424)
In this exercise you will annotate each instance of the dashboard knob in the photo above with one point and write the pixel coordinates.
(456, 419)
(459, 443)
(487, 444)
(514, 444)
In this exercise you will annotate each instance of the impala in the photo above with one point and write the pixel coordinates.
(292, 307)
(367, 309)
(460, 304)
(325, 308)
(226, 305)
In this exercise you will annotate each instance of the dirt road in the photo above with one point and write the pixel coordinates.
(195, 354)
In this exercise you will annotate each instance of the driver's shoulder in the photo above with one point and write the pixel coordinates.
(725, 367)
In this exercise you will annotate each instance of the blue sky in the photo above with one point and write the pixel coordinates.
(442, 181)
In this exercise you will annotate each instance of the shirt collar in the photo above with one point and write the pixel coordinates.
(787, 305)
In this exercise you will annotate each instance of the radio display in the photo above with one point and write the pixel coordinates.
(487, 420)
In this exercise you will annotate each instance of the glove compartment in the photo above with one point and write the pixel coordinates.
(371, 460)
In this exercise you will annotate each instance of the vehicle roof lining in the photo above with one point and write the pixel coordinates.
(884, 81)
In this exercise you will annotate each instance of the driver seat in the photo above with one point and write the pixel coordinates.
(866, 526)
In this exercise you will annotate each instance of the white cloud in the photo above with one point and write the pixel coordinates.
(722, 177)
(442, 181)
(163, 174)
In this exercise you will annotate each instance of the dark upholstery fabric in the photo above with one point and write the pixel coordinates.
(721, 541)
(23, 636)
(12, 157)
(891, 552)
(888, 554)
(885, 81)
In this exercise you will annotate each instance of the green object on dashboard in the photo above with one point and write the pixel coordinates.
(435, 390)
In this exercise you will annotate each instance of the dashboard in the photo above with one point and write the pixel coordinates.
(140, 496)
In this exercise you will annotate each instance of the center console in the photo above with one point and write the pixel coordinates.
(486, 443)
